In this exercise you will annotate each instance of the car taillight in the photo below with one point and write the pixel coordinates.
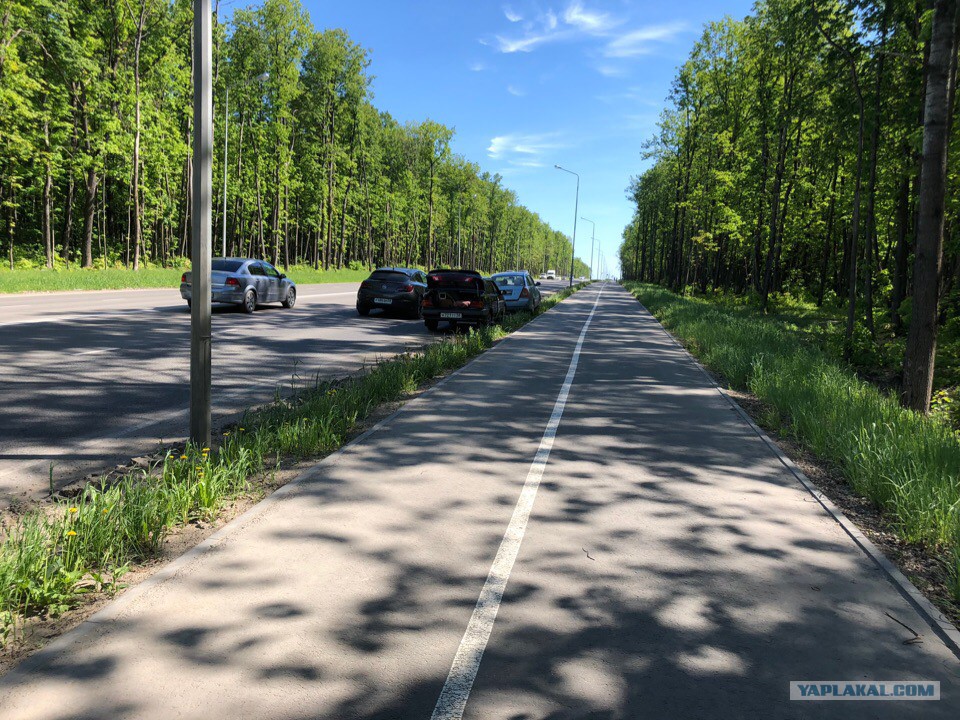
(233, 282)
(366, 284)
(524, 293)
(407, 288)
(475, 304)
(427, 302)
(183, 278)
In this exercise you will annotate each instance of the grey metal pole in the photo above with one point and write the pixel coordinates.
(459, 246)
(576, 214)
(593, 233)
(226, 135)
(201, 229)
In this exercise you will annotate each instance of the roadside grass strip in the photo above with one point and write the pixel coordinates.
(908, 464)
(119, 278)
(51, 557)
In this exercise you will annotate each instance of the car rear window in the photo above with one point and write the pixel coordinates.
(454, 280)
(509, 280)
(227, 265)
(388, 276)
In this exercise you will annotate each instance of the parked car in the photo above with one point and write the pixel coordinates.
(461, 297)
(551, 274)
(244, 282)
(520, 291)
(392, 289)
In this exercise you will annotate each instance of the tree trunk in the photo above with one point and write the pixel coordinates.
(89, 211)
(901, 253)
(918, 364)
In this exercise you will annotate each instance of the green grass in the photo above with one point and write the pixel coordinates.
(909, 465)
(49, 560)
(42, 280)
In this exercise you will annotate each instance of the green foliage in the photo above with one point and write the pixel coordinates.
(788, 150)
(316, 175)
(907, 464)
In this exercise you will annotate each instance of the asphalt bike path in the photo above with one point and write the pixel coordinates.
(577, 524)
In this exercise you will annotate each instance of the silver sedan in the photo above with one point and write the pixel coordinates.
(245, 282)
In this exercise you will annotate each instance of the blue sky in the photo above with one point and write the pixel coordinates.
(527, 84)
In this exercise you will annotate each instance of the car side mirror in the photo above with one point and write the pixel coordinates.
(538, 284)
(282, 276)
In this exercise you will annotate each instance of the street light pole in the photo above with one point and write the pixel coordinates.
(593, 238)
(576, 213)
(200, 236)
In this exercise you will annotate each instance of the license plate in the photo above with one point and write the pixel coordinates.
(383, 301)
(451, 316)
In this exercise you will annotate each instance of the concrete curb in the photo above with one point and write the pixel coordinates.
(114, 608)
(940, 625)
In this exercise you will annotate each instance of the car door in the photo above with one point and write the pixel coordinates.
(534, 290)
(259, 277)
(273, 282)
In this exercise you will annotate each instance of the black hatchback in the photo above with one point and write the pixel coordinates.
(392, 290)
(461, 297)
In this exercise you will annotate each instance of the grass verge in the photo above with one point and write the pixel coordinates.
(42, 280)
(50, 558)
(907, 464)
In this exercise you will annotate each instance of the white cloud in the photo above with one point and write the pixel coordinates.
(524, 150)
(477, 67)
(611, 71)
(591, 22)
(511, 15)
(514, 90)
(524, 44)
(576, 22)
(639, 42)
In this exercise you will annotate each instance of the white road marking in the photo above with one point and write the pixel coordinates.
(456, 690)
(96, 352)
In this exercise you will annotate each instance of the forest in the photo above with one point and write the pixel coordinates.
(95, 148)
(800, 159)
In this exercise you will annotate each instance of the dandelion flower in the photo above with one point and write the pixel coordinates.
(183, 457)
(71, 532)
(226, 434)
(241, 429)
(206, 450)
(73, 510)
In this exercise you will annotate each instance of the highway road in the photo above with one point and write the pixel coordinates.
(91, 379)
(576, 525)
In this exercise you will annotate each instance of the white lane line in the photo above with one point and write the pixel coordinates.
(96, 352)
(456, 690)
(348, 292)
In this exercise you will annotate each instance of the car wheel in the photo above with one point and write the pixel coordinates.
(189, 304)
(249, 301)
(363, 310)
(431, 325)
(291, 298)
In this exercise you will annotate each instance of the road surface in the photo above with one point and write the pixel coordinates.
(637, 550)
(90, 379)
